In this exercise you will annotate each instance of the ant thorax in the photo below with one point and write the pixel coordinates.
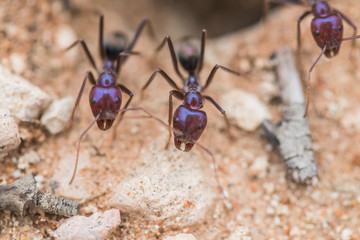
(192, 84)
(107, 78)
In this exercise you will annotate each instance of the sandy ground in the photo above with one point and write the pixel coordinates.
(269, 205)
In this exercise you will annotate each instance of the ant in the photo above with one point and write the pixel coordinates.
(327, 30)
(105, 96)
(188, 119)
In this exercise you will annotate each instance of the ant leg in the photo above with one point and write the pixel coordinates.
(86, 50)
(179, 95)
(353, 27)
(89, 76)
(131, 95)
(172, 53)
(78, 146)
(202, 51)
(222, 112)
(308, 81)
(165, 76)
(101, 38)
(348, 21)
(212, 74)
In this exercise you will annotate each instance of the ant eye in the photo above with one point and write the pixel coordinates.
(117, 101)
(340, 28)
(93, 101)
(317, 33)
(200, 127)
(176, 120)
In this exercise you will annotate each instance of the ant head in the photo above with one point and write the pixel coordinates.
(115, 44)
(188, 54)
(189, 125)
(193, 100)
(321, 9)
(327, 32)
(105, 101)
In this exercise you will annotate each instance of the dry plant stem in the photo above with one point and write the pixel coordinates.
(22, 197)
(292, 135)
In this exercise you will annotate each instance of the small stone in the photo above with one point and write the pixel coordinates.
(25, 100)
(240, 233)
(65, 36)
(18, 62)
(28, 158)
(245, 109)
(346, 234)
(97, 226)
(259, 167)
(58, 114)
(9, 133)
(182, 236)
(269, 90)
(168, 186)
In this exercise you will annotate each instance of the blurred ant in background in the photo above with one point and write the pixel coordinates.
(326, 28)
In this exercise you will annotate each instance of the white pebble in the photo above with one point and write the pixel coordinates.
(9, 133)
(181, 236)
(98, 226)
(25, 100)
(58, 114)
(346, 234)
(245, 109)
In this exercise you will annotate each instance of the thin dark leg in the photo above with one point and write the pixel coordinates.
(121, 59)
(212, 74)
(348, 21)
(299, 30)
(131, 95)
(89, 76)
(178, 95)
(173, 55)
(222, 112)
(101, 38)
(86, 50)
(165, 76)
(202, 51)
(78, 146)
(137, 34)
(308, 82)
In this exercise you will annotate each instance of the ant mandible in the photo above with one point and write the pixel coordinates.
(327, 30)
(105, 96)
(188, 119)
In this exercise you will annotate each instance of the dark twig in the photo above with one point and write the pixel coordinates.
(292, 136)
(22, 197)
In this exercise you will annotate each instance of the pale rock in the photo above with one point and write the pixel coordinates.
(9, 133)
(168, 186)
(58, 114)
(240, 233)
(259, 167)
(18, 62)
(25, 100)
(181, 236)
(346, 234)
(30, 157)
(245, 109)
(65, 36)
(97, 226)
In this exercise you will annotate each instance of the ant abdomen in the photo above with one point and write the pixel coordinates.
(115, 44)
(188, 53)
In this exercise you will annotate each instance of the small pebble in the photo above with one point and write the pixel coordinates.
(245, 109)
(9, 133)
(25, 100)
(58, 114)
(181, 236)
(98, 226)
